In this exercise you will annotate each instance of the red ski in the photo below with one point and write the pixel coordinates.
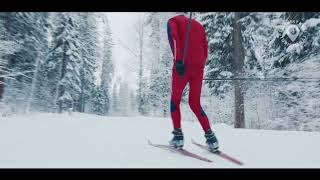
(180, 151)
(218, 153)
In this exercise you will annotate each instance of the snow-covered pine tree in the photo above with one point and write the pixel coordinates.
(140, 29)
(124, 99)
(30, 29)
(133, 105)
(160, 73)
(7, 48)
(295, 100)
(65, 63)
(154, 21)
(224, 32)
(257, 29)
(232, 36)
(269, 52)
(219, 63)
(99, 100)
(72, 60)
(107, 63)
(145, 101)
(88, 36)
(114, 100)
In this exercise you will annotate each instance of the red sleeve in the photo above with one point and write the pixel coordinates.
(176, 44)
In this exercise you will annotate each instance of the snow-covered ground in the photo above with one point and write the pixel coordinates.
(43, 140)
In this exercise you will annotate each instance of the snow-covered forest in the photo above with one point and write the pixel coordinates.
(58, 62)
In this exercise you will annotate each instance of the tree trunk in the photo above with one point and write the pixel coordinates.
(7, 21)
(106, 103)
(1, 84)
(33, 83)
(82, 94)
(141, 34)
(238, 57)
(80, 103)
(61, 88)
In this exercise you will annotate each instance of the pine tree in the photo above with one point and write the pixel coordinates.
(88, 36)
(123, 99)
(7, 48)
(226, 56)
(73, 60)
(65, 62)
(160, 74)
(99, 102)
(30, 31)
(293, 59)
(236, 50)
(140, 30)
(145, 99)
(114, 100)
(268, 53)
(133, 104)
(218, 28)
(107, 64)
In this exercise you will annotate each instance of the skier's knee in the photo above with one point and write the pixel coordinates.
(196, 107)
(173, 106)
(202, 112)
(193, 106)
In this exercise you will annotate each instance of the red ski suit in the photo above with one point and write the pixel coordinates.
(195, 59)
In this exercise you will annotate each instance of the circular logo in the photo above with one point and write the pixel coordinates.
(292, 31)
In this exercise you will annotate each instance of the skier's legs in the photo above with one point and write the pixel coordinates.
(194, 98)
(177, 87)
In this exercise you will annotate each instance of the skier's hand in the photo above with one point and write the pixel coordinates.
(180, 68)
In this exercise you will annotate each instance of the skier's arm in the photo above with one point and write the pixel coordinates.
(174, 40)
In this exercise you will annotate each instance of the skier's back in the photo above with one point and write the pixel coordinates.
(197, 50)
(190, 71)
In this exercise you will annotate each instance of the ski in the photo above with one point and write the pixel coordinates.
(218, 153)
(180, 151)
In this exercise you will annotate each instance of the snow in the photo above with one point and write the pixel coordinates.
(295, 48)
(43, 140)
(312, 22)
(65, 96)
(226, 73)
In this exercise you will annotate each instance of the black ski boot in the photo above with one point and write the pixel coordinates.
(212, 141)
(177, 140)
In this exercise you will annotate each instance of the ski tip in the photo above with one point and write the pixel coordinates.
(239, 162)
(220, 153)
(207, 160)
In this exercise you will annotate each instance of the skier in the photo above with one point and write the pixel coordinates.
(188, 42)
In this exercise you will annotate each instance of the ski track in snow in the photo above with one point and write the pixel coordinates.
(44, 140)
